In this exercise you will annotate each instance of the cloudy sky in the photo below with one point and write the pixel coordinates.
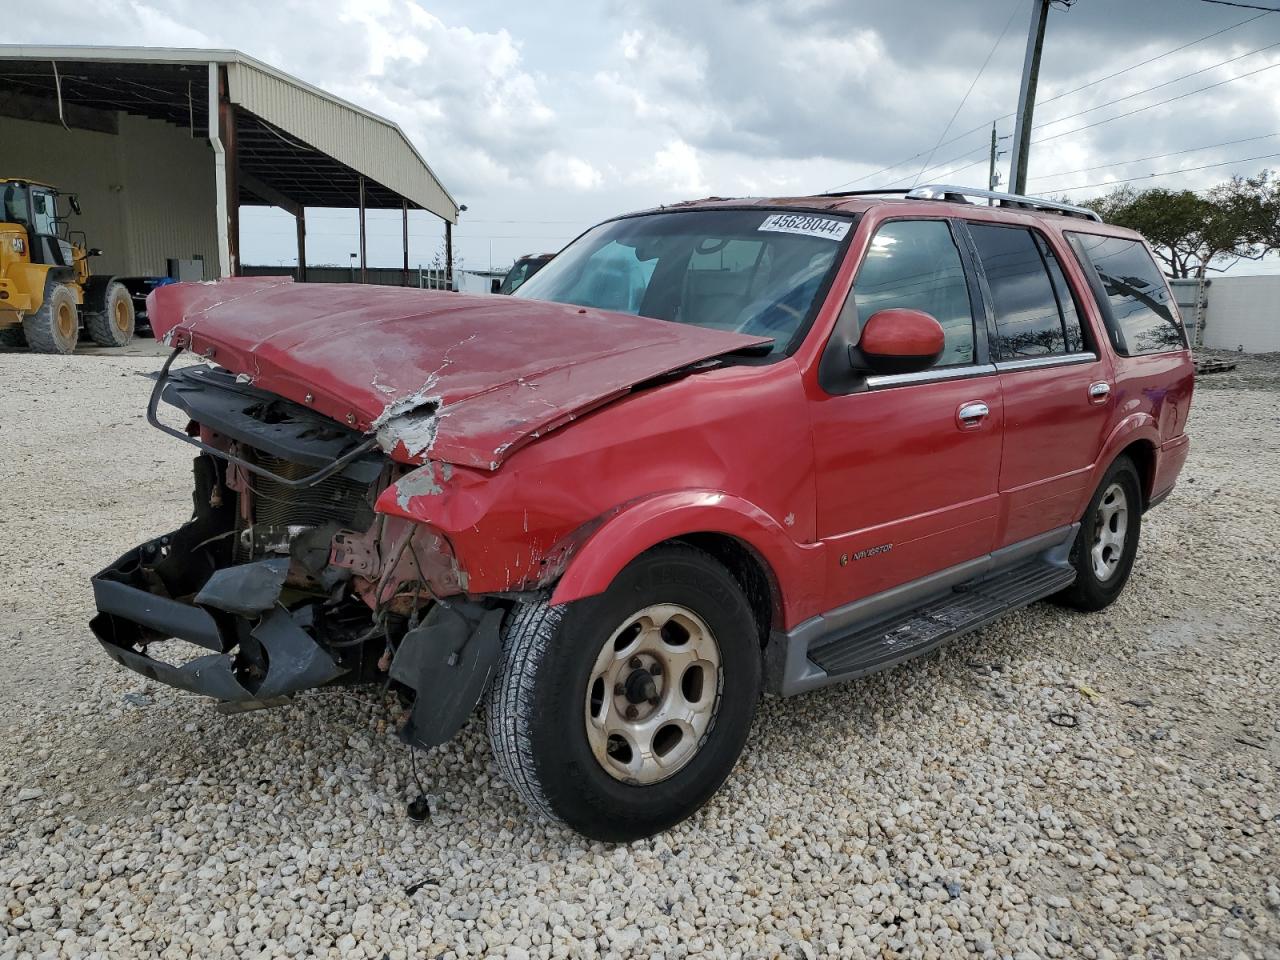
(545, 118)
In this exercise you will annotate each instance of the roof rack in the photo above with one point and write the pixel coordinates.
(946, 191)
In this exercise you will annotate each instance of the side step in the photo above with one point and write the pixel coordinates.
(867, 648)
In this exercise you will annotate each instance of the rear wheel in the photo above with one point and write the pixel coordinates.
(55, 327)
(620, 715)
(112, 321)
(1105, 547)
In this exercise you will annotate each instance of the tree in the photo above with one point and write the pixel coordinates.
(1191, 232)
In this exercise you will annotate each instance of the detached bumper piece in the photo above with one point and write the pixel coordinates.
(259, 651)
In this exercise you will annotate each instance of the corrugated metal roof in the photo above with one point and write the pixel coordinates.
(365, 142)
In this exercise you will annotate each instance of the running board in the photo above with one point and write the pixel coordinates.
(968, 606)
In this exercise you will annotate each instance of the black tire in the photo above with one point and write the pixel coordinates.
(11, 335)
(536, 719)
(55, 327)
(111, 322)
(1092, 591)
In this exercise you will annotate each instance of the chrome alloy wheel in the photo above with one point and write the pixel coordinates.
(653, 693)
(1110, 526)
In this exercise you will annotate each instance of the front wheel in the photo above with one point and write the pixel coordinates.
(111, 322)
(55, 327)
(621, 714)
(1107, 543)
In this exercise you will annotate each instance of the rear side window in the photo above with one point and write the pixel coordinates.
(914, 264)
(1034, 316)
(1132, 293)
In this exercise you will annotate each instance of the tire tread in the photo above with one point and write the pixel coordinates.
(526, 637)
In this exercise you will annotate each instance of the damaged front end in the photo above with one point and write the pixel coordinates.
(285, 578)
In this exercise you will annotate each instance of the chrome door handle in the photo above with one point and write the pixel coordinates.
(972, 412)
(1099, 391)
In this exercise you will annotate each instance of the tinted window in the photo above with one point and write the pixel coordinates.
(1140, 317)
(914, 264)
(44, 212)
(1028, 321)
(1066, 301)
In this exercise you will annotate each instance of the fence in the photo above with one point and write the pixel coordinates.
(1236, 313)
(382, 276)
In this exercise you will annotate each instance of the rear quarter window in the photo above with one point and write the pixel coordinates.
(1131, 292)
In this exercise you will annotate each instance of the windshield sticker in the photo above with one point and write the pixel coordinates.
(808, 225)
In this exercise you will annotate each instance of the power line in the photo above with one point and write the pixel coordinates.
(1161, 56)
(1167, 173)
(1246, 6)
(1017, 5)
(1159, 103)
(1166, 83)
(1083, 86)
(937, 166)
(1156, 156)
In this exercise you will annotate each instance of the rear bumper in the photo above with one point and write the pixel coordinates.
(130, 618)
(1169, 463)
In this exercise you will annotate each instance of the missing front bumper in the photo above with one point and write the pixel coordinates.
(236, 607)
(261, 653)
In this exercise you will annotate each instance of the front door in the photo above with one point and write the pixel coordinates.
(907, 464)
(1056, 386)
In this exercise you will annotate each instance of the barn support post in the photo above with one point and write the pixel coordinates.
(404, 223)
(364, 254)
(448, 255)
(301, 219)
(227, 132)
(219, 175)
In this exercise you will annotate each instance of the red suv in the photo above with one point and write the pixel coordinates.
(710, 450)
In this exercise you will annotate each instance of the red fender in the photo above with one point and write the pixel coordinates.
(1135, 427)
(796, 568)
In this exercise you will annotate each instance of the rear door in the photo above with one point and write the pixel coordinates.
(907, 464)
(1055, 382)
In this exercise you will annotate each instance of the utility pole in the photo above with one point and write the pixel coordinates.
(1027, 96)
(993, 175)
(992, 178)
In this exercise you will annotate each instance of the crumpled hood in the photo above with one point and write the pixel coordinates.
(446, 376)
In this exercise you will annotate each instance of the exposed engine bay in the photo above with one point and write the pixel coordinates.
(286, 578)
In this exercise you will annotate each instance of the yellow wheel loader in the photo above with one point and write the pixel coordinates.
(47, 292)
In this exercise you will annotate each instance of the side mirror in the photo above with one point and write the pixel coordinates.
(495, 285)
(901, 341)
(94, 252)
(75, 203)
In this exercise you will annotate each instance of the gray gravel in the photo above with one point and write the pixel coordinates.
(933, 811)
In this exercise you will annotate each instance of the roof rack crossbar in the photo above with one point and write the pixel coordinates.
(946, 191)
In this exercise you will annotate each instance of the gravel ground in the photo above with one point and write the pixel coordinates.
(932, 811)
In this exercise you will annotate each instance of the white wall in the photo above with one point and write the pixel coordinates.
(147, 192)
(1243, 313)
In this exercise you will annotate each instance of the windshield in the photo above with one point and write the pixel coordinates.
(758, 272)
(16, 209)
(521, 270)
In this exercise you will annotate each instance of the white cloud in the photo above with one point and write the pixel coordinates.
(573, 173)
(675, 169)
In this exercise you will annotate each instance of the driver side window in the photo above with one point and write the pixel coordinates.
(915, 265)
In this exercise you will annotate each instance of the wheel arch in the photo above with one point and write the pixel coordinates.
(746, 539)
(1143, 455)
(1138, 437)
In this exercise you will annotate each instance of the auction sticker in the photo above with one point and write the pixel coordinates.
(806, 224)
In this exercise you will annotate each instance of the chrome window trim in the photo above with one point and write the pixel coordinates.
(1035, 363)
(884, 381)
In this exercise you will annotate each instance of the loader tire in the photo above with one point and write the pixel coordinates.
(55, 327)
(112, 321)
